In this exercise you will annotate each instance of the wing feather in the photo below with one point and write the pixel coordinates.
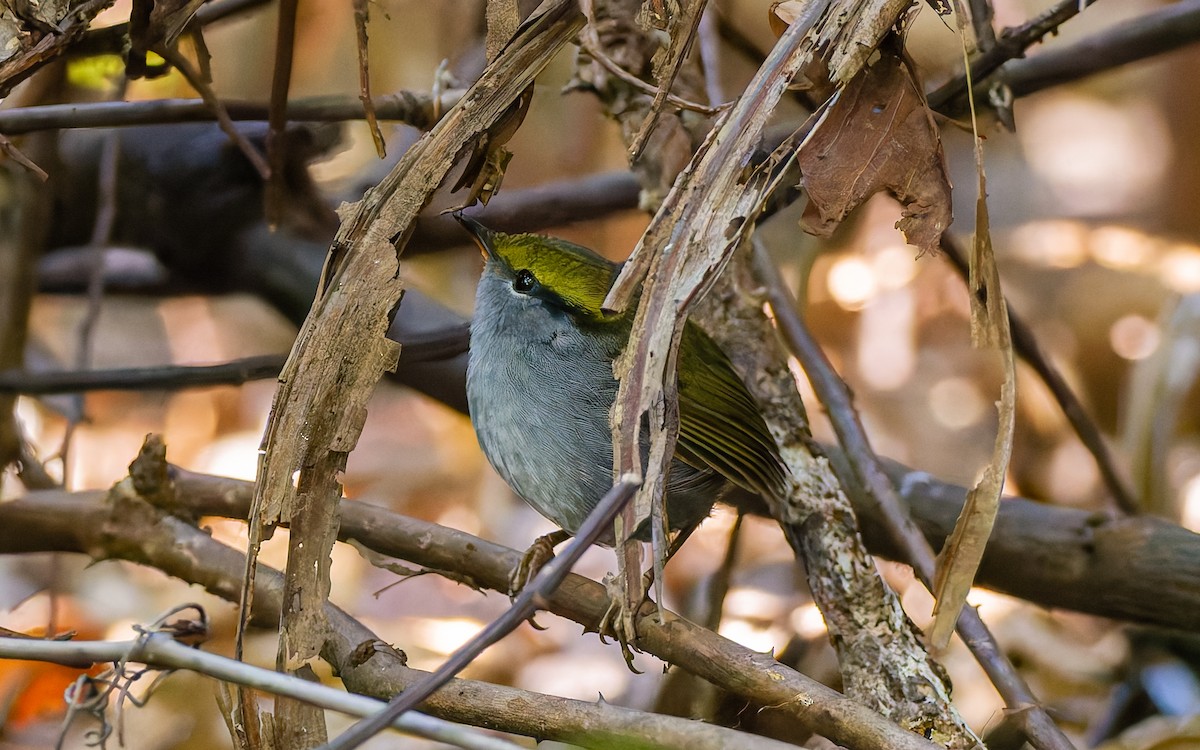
(720, 426)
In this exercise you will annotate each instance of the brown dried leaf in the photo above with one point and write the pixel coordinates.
(489, 158)
(878, 136)
(783, 13)
(960, 558)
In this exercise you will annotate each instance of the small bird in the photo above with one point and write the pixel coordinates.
(540, 386)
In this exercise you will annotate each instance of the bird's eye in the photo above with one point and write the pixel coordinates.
(524, 282)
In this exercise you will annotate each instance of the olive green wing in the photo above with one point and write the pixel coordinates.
(720, 426)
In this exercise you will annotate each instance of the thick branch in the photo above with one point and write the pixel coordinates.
(883, 499)
(1055, 557)
(132, 530)
(1154, 33)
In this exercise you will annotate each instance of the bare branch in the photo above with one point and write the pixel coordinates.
(416, 109)
(1155, 33)
(277, 114)
(161, 651)
(532, 598)
(127, 528)
(1010, 45)
(166, 377)
(886, 504)
(45, 45)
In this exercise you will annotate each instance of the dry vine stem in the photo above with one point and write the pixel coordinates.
(341, 350)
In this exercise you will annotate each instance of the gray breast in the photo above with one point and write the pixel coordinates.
(539, 393)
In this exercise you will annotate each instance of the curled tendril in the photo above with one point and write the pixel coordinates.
(90, 694)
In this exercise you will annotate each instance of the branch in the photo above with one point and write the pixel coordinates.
(167, 377)
(417, 109)
(44, 46)
(214, 11)
(277, 114)
(882, 497)
(127, 528)
(881, 657)
(161, 651)
(445, 344)
(1012, 43)
(532, 598)
(25, 227)
(1155, 33)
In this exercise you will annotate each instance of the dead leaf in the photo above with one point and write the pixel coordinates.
(878, 135)
(489, 158)
(783, 13)
(960, 558)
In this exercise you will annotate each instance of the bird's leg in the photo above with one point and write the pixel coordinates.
(618, 621)
(538, 554)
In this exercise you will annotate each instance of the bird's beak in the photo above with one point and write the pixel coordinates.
(484, 237)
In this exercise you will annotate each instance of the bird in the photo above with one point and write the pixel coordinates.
(540, 387)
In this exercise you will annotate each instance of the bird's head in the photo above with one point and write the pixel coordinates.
(560, 274)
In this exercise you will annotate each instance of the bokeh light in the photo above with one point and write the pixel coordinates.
(1134, 337)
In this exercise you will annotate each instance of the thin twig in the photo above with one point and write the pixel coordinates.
(102, 229)
(416, 109)
(709, 38)
(981, 24)
(161, 651)
(106, 213)
(221, 9)
(11, 151)
(686, 21)
(112, 39)
(1155, 33)
(364, 77)
(719, 581)
(442, 344)
(1026, 346)
(533, 597)
(209, 96)
(591, 46)
(164, 378)
(1012, 43)
(882, 495)
(281, 80)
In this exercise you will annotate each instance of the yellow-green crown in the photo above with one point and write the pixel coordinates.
(572, 275)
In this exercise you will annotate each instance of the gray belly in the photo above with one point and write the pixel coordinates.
(542, 421)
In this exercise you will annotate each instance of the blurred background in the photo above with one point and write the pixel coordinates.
(1093, 207)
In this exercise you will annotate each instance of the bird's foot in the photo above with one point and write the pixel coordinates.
(620, 620)
(538, 554)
